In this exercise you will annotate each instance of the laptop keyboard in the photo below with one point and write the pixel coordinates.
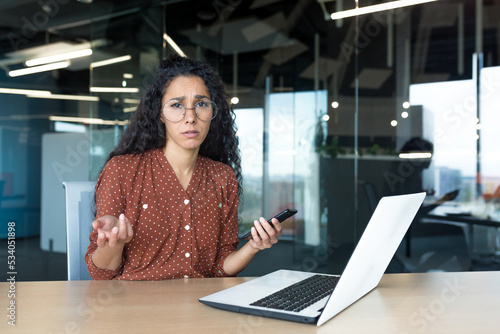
(300, 295)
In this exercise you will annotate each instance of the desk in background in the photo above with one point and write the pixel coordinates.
(467, 219)
(466, 302)
(482, 232)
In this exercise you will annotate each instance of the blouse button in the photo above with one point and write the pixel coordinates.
(186, 201)
(186, 276)
(187, 227)
(187, 255)
(144, 206)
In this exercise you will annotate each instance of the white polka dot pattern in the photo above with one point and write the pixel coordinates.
(177, 232)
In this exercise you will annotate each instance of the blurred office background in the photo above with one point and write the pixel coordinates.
(332, 114)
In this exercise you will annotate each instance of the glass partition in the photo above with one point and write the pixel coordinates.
(128, 44)
(40, 144)
(430, 93)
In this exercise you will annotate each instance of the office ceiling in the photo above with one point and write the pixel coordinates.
(269, 37)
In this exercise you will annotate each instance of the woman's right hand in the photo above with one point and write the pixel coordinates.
(112, 231)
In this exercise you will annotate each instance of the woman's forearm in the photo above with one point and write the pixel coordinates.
(107, 257)
(238, 260)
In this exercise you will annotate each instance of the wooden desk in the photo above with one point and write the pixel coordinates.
(467, 302)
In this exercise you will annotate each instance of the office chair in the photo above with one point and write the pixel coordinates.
(79, 216)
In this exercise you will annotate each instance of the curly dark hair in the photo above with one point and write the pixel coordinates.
(146, 131)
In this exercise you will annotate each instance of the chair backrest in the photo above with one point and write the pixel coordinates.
(79, 216)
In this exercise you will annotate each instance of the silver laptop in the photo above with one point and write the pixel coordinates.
(270, 295)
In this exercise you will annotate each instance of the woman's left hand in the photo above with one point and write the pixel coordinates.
(264, 235)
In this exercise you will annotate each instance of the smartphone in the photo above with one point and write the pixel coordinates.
(282, 216)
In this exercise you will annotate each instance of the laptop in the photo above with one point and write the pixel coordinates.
(378, 244)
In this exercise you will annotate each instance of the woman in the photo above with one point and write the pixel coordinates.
(167, 199)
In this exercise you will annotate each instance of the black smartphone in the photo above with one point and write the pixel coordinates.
(282, 216)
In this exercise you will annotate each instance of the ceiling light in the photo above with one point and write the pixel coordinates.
(66, 97)
(394, 122)
(129, 109)
(404, 114)
(38, 69)
(326, 118)
(173, 45)
(45, 94)
(59, 57)
(69, 127)
(377, 8)
(406, 105)
(114, 90)
(86, 120)
(335, 104)
(76, 119)
(110, 61)
(415, 155)
(37, 93)
(235, 100)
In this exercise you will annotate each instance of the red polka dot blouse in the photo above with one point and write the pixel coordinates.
(177, 233)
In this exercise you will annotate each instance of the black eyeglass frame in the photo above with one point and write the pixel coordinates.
(214, 111)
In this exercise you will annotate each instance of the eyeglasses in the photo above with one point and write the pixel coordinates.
(174, 111)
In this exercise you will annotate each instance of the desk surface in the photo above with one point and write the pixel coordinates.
(467, 302)
(464, 219)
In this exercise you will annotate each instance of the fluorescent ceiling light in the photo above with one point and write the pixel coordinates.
(173, 45)
(86, 120)
(66, 97)
(114, 90)
(129, 109)
(415, 155)
(69, 127)
(59, 57)
(38, 69)
(76, 119)
(133, 101)
(377, 8)
(45, 94)
(30, 92)
(110, 61)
